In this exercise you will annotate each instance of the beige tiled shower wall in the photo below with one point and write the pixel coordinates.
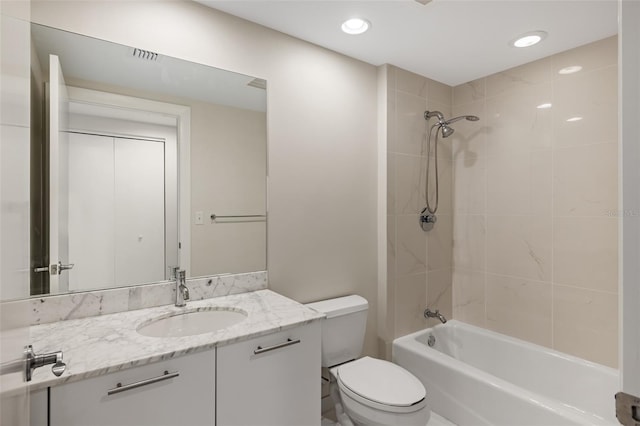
(418, 263)
(534, 206)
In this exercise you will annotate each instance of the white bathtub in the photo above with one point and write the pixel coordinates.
(477, 377)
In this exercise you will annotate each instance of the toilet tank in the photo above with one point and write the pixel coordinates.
(343, 329)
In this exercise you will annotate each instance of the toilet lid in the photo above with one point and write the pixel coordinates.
(382, 382)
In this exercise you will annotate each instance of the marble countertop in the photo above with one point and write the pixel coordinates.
(103, 344)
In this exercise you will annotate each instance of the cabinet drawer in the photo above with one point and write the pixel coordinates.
(179, 391)
(271, 380)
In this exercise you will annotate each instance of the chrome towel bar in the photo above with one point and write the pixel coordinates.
(216, 216)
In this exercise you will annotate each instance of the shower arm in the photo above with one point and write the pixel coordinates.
(431, 114)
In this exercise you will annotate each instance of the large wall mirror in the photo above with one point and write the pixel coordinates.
(139, 163)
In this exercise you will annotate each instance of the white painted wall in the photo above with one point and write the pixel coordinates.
(14, 202)
(321, 122)
(15, 44)
(228, 177)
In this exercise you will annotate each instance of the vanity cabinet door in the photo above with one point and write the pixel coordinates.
(271, 380)
(185, 399)
(38, 407)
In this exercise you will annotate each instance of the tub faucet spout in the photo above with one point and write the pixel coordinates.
(428, 313)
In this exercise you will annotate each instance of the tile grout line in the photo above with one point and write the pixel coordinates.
(553, 220)
(486, 195)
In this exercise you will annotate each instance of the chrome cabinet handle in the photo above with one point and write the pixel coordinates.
(289, 342)
(123, 388)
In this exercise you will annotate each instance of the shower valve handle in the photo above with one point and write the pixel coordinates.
(428, 218)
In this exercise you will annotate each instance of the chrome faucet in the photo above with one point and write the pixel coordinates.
(182, 292)
(428, 313)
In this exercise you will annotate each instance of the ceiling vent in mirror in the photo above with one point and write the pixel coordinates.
(145, 54)
(258, 83)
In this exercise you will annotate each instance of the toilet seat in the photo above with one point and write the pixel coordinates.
(381, 385)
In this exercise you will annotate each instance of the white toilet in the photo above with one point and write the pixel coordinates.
(369, 391)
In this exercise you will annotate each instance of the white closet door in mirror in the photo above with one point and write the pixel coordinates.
(116, 211)
(91, 211)
(139, 214)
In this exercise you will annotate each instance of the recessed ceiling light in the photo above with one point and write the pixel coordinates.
(528, 39)
(544, 106)
(572, 119)
(355, 26)
(570, 70)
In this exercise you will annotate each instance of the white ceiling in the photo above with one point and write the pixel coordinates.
(451, 41)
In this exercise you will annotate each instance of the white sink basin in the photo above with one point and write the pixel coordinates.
(191, 323)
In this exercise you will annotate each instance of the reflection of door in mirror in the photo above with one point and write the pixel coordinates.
(119, 196)
(220, 156)
(52, 210)
(116, 207)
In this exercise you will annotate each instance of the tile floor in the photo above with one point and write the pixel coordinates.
(435, 420)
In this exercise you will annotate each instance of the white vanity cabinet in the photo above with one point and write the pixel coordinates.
(179, 391)
(271, 380)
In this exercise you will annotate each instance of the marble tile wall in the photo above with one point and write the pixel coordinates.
(418, 263)
(535, 201)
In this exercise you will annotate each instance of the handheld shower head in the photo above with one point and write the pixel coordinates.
(427, 217)
(465, 117)
(444, 124)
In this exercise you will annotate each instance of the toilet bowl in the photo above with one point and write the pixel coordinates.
(377, 393)
(365, 391)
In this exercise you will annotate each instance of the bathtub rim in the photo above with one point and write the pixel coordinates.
(411, 343)
(503, 337)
